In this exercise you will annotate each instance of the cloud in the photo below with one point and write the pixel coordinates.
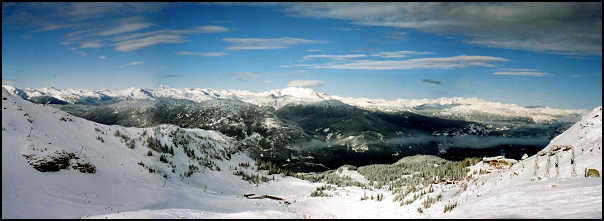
(172, 76)
(399, 35)
(268, 81)
(246, 76)
(131, 63)
(92, 10)
(430, 81)
(142, 40)
(266, 43)
(346, 29)
(333, 57)
(102, 57)
(518, 69)
(211, 29)
(52, 27)
(90, 45)
(204, 54)
(556, 27)
(306, 83)
(399, 54)
(296, 65)
(313, 50)
(417, 63)
(102, 24)
(135, 44)
(522, 73)
(8, 81)
(81, 53)
(124, 28)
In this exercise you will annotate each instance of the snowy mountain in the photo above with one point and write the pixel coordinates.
(301, 128)
(44, 149)
(56, 165)
(469, 109)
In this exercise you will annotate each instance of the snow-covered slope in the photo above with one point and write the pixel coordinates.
(550, 184)
(454, 107)
(122, 180)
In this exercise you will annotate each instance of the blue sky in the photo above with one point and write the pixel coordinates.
(529, 54)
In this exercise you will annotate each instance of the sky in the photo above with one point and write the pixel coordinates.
(530, 54)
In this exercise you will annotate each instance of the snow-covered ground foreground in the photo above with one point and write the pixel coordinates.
(550, 184)
(120, 187)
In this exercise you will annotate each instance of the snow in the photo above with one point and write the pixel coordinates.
(541, 190)
(122, 189)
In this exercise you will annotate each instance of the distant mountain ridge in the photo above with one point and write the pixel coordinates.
(458, 108)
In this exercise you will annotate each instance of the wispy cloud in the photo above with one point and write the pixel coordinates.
(52, 27)
(306, 83)
(333, 57)
(211, 29)
(535, 26)
(135, 44)
(131, 64)
(81, 53)
(204, 54)
(172, 76)
(92, 10)
(142, 40)
(91, 45)
(417, 63)
(346, 29)
(124, 28)
(518, 69)
(267, 43)
(399, 35)
(399, 54)
(8, 81)
(102, 57)
(246, 76)
(430, 81)
(522, 73)
(313, 50)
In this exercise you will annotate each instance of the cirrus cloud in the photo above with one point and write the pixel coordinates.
(306, 83)
(267, 43)
(131, 64)
(417, 63)
(555, 27)
(203, 54)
